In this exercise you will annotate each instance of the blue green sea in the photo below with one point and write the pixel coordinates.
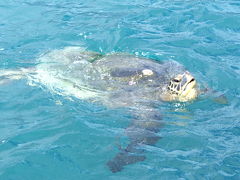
(46, 136)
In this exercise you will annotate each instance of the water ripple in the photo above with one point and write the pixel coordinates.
(43, 133)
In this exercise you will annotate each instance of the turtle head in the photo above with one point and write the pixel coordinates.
(183, 87)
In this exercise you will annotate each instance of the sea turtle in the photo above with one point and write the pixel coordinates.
(115, 80)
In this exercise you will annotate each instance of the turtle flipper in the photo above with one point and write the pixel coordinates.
(133, 152)
(142, 131)
(215, 96)
(122, 159)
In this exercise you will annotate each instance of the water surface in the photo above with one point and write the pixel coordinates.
(47, 136)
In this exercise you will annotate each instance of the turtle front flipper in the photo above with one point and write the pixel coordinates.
(142, 131)
(215, 96)
(122, 159)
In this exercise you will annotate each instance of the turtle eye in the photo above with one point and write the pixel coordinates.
(176, 80)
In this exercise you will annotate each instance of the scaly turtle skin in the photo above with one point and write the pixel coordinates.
(116, 80)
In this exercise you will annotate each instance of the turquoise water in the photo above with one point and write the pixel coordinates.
(45, 136)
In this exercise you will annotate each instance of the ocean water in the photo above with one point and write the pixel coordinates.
(45, 136)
